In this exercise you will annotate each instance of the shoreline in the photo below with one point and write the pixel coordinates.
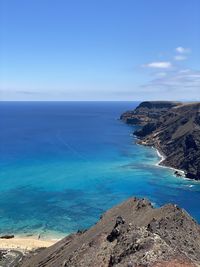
(24, 244)
(162, 158)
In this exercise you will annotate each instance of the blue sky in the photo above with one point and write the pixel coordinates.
(99, 49)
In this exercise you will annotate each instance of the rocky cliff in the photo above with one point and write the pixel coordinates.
(148, 111)
(174, 129)
(132, 234)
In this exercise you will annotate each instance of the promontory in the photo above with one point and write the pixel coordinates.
(174, 129)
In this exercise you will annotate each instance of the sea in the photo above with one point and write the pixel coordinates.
(63, 164)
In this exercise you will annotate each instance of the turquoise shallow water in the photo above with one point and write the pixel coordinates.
(62, 164)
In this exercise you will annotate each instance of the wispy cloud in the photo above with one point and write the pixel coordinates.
(183, 50)
(159, 65)
(179, 81)
(170, 80)
(181, 53)
(180, 57)
(161, 74)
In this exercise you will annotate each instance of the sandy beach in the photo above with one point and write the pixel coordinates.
(25, 243)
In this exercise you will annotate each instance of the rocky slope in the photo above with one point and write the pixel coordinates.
(148, 111)
(174, 129)
(132, 234)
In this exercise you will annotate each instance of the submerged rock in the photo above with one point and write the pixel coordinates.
(7, 236)
(178, 174)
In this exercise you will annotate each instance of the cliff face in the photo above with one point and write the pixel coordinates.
(148, 111)
(174, 129)
(132, 234)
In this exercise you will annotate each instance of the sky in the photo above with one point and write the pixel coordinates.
(101, 50)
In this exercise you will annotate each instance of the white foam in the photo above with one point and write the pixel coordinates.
(163, 158)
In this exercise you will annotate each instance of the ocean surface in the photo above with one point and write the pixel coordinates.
(62, 164)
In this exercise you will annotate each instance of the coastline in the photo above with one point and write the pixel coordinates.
(178, 138)
(24, 244)
(162, 158)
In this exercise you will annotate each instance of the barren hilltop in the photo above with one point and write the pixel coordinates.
(132, 234)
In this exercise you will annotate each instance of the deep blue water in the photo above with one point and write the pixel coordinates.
(62, 164)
